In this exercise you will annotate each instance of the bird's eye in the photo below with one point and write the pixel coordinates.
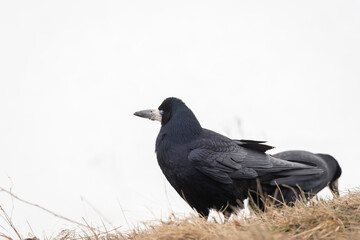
(161, 112)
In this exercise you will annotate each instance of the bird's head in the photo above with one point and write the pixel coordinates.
(334, 184)
(177, 121)
(335, 170)
(168, 108)
(172, 110)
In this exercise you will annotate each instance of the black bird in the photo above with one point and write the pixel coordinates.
(209, 170)
(296, 184)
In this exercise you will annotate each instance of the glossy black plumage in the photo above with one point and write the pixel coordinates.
(210, 170)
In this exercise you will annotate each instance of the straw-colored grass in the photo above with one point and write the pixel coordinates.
(334, 219)
(338, 218)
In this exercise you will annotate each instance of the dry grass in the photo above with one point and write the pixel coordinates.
(334, 219)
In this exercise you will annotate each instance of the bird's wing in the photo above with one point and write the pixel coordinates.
(278, 164)
(221, 166)
(225, 161)
(301, 157)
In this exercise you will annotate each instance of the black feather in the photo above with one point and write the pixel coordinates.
(254, 145)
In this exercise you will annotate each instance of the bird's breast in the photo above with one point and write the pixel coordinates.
(173, 162)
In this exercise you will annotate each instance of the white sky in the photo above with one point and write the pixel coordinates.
(73, 72)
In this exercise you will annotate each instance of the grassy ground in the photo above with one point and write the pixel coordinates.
(333, 219)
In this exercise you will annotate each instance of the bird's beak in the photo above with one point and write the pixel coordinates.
(152, 114)
(334, 187)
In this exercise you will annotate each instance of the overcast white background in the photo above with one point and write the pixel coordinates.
(73, 72)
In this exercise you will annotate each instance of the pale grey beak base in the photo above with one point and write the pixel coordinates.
(152, 114)
(334, 187)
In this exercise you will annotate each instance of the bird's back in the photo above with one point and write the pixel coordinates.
(299, 185)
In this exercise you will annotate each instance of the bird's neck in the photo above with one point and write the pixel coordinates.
(182, 128)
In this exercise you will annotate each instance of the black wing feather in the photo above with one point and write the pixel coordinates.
(225, 160)
(254, 145)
